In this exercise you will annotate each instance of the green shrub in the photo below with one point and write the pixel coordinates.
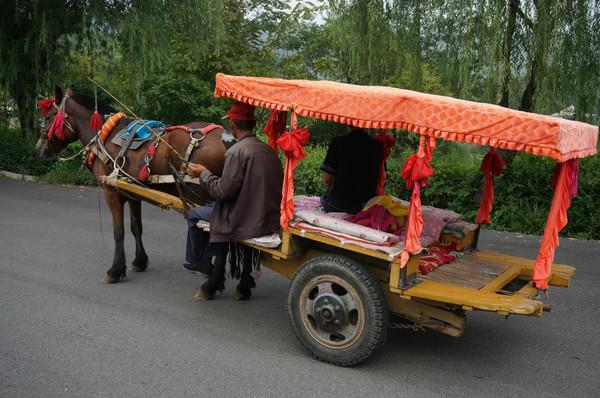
(522, 195)
(308, 178)
(69, 172)
(17, 154)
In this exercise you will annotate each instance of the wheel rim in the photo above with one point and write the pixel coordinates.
(332, 311)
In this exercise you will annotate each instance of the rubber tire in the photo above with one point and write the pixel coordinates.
(369, 291)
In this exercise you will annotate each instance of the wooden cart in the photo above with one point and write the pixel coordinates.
(358, 288)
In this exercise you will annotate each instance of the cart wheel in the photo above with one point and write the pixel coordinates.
(337, 310)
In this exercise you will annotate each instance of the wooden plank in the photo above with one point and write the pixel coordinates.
(471, 298)
(467, 272)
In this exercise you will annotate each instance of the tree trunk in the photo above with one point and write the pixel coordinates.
(513, 6)
(25, 107)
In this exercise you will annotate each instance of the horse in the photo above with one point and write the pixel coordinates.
(77, 111)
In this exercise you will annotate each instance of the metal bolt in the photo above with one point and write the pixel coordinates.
(336, 322)
(337, 308)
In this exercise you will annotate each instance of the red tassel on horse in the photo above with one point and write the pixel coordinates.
(57, 126)
(144, 173)
(95, 121)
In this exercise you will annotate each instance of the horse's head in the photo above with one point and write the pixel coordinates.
(59, 126)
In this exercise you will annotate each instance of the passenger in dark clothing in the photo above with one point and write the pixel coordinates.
(350, 171)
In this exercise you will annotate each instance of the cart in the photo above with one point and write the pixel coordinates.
(341, 294)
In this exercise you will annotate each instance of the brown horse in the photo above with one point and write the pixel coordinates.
(78, 110)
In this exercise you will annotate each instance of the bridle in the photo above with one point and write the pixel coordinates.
(55, 131)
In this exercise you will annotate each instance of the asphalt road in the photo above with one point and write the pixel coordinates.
(64, 333)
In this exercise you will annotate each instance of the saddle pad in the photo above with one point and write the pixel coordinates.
(142, 133)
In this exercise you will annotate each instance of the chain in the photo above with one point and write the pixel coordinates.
(414, 326)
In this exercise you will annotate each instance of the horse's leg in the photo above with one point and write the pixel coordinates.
(216, 282)
(115, 203)
(140, 263)
(243, 290)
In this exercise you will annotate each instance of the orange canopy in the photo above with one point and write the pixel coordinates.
(442, 117)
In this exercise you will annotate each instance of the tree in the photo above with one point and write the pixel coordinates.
(32, 49)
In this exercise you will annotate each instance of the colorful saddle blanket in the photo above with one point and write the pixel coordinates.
(140, 130)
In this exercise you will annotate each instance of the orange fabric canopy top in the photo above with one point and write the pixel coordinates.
(433, 115)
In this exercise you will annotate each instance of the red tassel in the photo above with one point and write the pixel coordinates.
(150, 152)
(57, 126)
(95, 121)
(144, 173)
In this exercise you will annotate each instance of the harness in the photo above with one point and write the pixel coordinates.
(142, 130)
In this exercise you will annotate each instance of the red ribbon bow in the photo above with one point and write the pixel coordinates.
(275, 126)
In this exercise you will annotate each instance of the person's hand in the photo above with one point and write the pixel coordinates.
(195, 169)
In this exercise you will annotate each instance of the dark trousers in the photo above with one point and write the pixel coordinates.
(199, 251)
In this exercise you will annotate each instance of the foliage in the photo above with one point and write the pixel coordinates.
(70, 173)
(17, 154)
(160, 57)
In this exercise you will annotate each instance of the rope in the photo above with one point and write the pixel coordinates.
(85, 148)
(137, 118)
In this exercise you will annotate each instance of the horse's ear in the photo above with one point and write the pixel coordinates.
(58, 95)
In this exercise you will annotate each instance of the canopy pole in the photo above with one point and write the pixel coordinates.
(564, 191)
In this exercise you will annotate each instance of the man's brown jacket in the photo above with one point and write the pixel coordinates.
(248, 194)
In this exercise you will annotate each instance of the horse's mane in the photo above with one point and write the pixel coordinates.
(88, 102)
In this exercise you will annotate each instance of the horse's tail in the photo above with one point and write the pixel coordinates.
(242, 257)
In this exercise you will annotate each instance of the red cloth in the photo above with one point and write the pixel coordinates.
(491, 165)
(292, 145)
(437, 256)
(557, 219)
(275, 126)
(376, 217)
(416, 172)
(45, 105)
(95, 121)
(387, 143)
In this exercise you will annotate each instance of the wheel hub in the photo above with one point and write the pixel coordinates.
(329, 311)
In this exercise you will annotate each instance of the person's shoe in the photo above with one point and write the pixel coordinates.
(199, 269)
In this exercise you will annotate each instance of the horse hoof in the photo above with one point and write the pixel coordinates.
(135, 268)
(109, 279)
(242, 296)
(201, 295)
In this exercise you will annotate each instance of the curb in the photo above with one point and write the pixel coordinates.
(19, 177)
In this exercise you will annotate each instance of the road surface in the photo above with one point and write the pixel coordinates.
(65, 334)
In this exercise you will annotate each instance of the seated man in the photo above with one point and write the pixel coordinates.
(248, 196)
(350, 171)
